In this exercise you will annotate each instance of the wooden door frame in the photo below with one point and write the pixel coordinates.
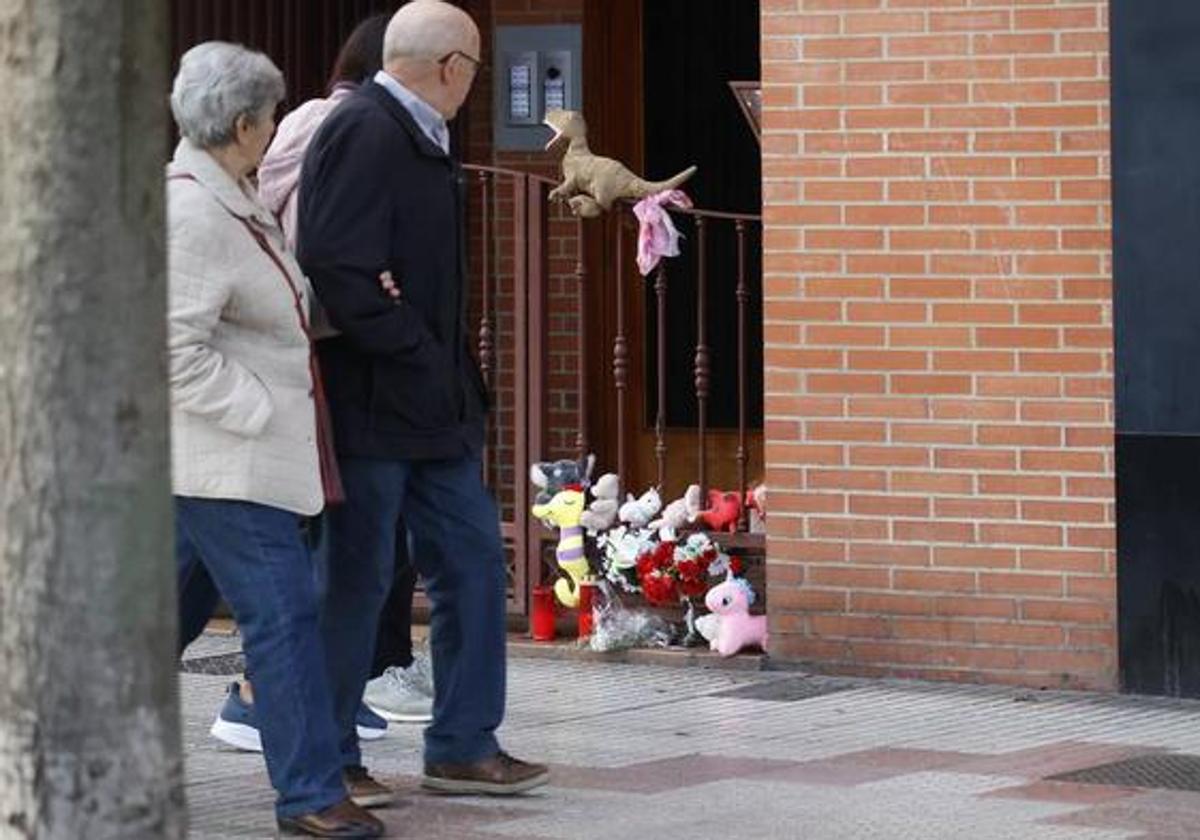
(613, 106)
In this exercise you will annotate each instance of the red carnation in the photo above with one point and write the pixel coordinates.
(693, 588)
(646, 564)
(659, 589)
(664, 555)
(690, 569)
(736, 566)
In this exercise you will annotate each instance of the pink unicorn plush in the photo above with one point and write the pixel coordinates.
(729, 602)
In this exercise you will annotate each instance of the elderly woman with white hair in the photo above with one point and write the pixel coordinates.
(250, 441)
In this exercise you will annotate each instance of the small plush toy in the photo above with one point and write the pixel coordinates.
(552, 476)
(563, 511)
(602, 512)
(756, 501)
(723, 511)
(638, 512)
(679, 512)
(729, 602)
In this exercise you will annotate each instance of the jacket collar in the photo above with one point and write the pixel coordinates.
(190, 159)
(389, 103)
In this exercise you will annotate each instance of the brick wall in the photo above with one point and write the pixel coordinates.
(938, 328)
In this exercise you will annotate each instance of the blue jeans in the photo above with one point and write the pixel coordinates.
(255, 557)
(453, 521)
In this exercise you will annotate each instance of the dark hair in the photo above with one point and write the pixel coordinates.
(361, 57)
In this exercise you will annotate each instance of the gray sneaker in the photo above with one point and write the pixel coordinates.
(397, 695)
(422, 669)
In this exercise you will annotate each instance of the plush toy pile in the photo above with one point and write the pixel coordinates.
(663, 553)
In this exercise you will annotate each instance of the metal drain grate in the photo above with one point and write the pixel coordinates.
(1168, 771)
(786, 690)
(221, 664)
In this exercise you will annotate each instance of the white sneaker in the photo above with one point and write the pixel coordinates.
(397, 695)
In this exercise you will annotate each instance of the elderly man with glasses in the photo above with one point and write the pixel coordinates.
(380, 193)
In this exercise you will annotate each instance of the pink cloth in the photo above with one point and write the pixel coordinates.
(279, 172)
(658, 236)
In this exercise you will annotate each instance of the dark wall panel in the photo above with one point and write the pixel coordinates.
(1156, 206)
(1156, 179)
(302, 38)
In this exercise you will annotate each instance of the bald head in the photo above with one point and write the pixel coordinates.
(425, 29)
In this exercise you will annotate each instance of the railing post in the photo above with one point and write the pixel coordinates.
(524, 551)
(660, 423)
(702, 361)
(743, 296)
(536, 343)
(581, 435)
(621, 363)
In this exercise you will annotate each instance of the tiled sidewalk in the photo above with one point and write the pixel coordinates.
(652, 752)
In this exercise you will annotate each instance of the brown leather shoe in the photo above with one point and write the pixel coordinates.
(500, 775)
(344, 819)
(364, 791)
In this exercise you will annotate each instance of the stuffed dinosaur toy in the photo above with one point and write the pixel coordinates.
(592, 183)
(602, 512)
(678, 513)
(638, 512)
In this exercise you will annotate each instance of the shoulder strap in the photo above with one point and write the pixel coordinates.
(258, 237)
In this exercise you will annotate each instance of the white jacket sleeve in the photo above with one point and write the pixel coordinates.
(203, 381)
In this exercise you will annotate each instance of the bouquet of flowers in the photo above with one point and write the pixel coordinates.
(619, 549)
(673, 571)
(664, 571)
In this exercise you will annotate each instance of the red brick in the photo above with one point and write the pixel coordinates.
(927, 45)
(892, 407)
(934, 531)
(876, 603)
(1013, 583)
(988, 21)
(903, 94)
(975, 557)
(975, 509)
(975, 607)
(815, 48)
(975, 459)
(889, 456)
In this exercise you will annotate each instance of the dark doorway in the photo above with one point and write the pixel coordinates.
(693, 49)
(1156, 184)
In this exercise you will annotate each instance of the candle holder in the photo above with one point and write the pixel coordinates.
(587, 602)
(541, 618)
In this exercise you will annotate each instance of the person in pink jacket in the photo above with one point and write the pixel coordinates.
(279, 173)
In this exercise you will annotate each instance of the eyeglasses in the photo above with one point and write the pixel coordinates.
(474, 61)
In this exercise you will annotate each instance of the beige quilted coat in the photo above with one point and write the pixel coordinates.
(243, 421)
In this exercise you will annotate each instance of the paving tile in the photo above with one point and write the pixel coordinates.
(646, 752)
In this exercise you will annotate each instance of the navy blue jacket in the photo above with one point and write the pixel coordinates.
(377, 194)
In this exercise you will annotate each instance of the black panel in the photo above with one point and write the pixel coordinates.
(1156, 182)
(1158, 584)
(1156, 195)
(692, 50)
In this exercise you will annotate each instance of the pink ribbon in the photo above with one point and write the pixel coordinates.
(657, 234)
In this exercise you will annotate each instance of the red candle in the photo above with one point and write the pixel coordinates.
(587, 599)
(541, 621)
